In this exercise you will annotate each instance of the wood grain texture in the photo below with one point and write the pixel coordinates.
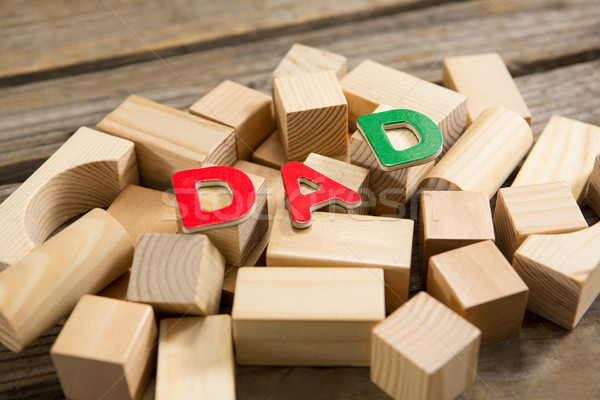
(88, 171)
(302, 59)
(545, 208)
(478, 283)
(484, 156)
(424, 351)
(593, 197)
(270, 153)
(168, 140)
(180, 274)
(306, 316)
(312, 115)
(45, 285)
(343, 240)
(195, 359)
(572, 146)
(486, 82)
(106, 350)
(247, 111)
(562, 272)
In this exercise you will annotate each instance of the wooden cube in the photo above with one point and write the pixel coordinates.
(180, 274)
(195, 359)
(306, 316)
(351, 176)
(344, 240)
(270, 153)
(247, 111)
(562, 272)
(106, 350)
(593, 197)
(478, 283)
(486, 81)
(452, 219)
(424, 351)
(544, 208)
(312, 115)
(168, 140)
(301, 59)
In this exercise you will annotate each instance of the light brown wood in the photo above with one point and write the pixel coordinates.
(45, 285)
(543, 208)
(351, 176)
(246, 110)
(484, 156)
(270, 153)
(106, 350)
(306, 316)
(312, 115)
(345, 240)
(371, 84)
(302, 59)
(179, 274)
(168, 140)
(88, 171)
(486, 82)
(424, 351)
(593, 197)
(117, 289)
(229, 280)
(452, 219)
(565, 151)
(195, 359)
(562, 272)
(478, 283)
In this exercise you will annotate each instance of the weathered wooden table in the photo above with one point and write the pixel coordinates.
(65, 64)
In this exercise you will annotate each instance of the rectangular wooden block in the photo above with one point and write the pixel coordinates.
(270, 153)
(571, 146)
(247, 111)
(371, 84)
(195, 359)
(168, 140)
(593, 198)
(486, 82)
(302, 59)
(343, 240)
(306, 316)
(312, 115)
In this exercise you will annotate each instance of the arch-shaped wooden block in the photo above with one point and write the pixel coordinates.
(86, 172)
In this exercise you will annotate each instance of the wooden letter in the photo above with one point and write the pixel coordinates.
(88, 171)
(106, 350)
(195, 359)
(301, 59)
(424, 351)
(479, 284)
(168, 140)
(306, 316)
(485, 155)
(534, 209)
(180, 274)
(593, 198)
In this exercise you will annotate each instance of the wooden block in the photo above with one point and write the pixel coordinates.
(479, 284)
(562, 272)
(351, 176)
(168, 140)
(593, 197)
(301, 59)
(371, 84)
(424, 351)
(45, 285)
(117, 289)
(270, 152)
(106, 350)
(180, 274)
(247, 111)
(306, 316)
(543, 208)
(195, 359)
(342, 240)
(229, 280)
(486, 82)
(484, 156)
(142, 210)
(88, 171)
(571, 146)
(312, 115)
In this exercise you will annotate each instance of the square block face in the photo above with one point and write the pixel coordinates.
(478, 283)
(102, 339)
(301, 59)
(312, 115)
(424, 350)
(341, 240)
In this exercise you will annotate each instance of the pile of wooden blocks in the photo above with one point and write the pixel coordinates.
(184, 210)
